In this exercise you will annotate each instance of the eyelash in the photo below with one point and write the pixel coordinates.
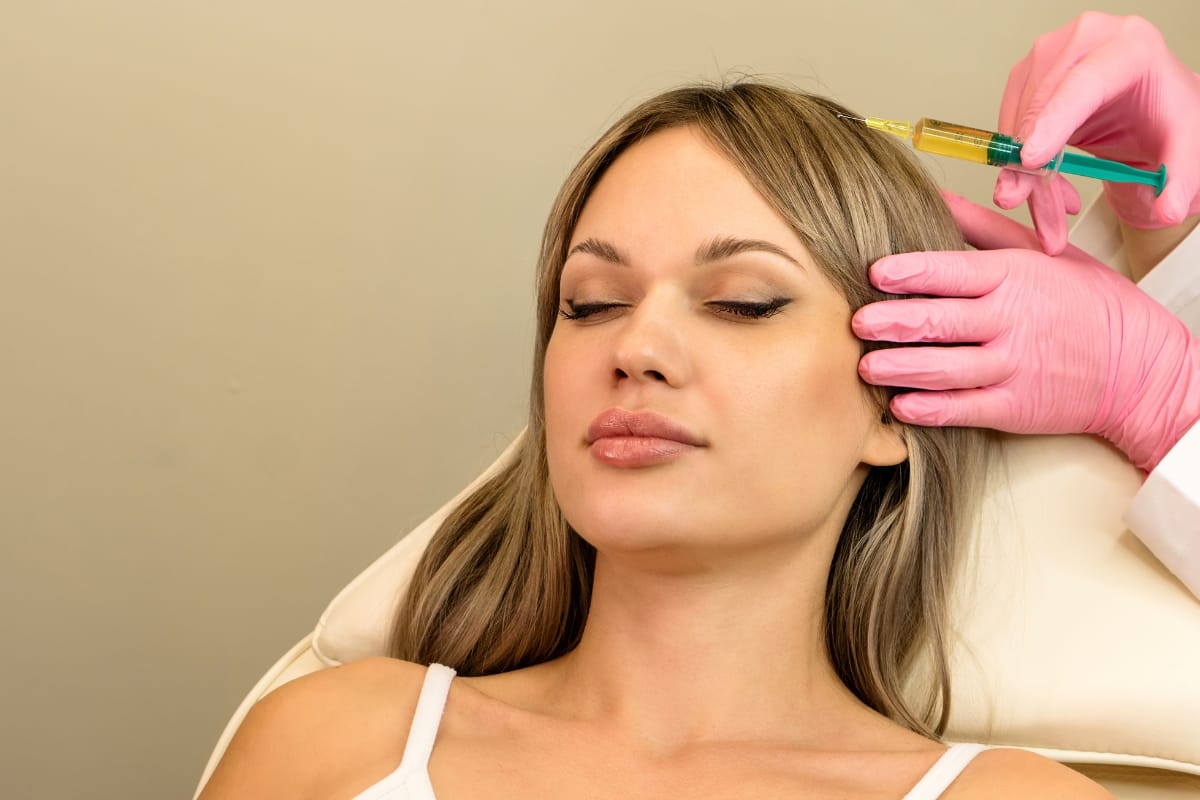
(741, 309)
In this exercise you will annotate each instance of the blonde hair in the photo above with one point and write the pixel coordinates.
(505, 582)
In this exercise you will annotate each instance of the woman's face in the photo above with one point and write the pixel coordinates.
(704, 393)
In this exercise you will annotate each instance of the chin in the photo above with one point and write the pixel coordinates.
(638, 524)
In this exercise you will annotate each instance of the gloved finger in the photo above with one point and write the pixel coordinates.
(1047, 207)
(988, 229)
(1050, 58)
(950, 367)
(947, 273)
(943, 320)
(1071, 200)
(976, 408)
(1097, 78)
(1014, 93)
(1173, 205)
(1013, 188)
(1134, 204)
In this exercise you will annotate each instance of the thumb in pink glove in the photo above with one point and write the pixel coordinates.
(1110, 86)
(1031, 343)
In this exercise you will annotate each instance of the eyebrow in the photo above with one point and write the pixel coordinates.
(715, 249)
(720, 247)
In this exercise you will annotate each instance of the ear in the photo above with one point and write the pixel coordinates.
(885, 445)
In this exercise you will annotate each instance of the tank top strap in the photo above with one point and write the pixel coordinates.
(943, 772)
(428, 716)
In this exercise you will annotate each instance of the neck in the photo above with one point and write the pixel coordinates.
(669, 661)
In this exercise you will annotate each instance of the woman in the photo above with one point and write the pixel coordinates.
(716, 556)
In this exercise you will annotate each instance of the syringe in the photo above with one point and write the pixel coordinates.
(998, 150)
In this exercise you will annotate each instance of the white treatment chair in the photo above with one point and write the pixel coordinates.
(1072, 640)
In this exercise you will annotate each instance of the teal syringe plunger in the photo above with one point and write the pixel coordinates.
(998, 150)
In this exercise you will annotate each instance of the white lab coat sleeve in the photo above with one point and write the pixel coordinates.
(1165, 513)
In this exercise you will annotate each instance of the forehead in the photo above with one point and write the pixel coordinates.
(676, 187)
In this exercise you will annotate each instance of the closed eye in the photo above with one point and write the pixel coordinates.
(750, 310)
(738, 308)
(585, 310)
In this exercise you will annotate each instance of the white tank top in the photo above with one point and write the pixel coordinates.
(410, 781)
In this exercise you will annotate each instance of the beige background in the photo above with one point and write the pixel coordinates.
(266, 302)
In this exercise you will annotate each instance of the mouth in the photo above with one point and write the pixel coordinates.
(629, 439)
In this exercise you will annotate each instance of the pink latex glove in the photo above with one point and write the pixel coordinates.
(1063, 344)
(1110, 86)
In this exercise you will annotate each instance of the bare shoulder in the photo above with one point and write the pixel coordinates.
(318, 729)
(1010, 772)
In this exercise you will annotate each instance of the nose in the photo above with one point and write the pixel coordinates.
(650, 347)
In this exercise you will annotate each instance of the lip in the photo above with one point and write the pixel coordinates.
(627, 439)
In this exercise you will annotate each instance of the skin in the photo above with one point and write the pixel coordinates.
(702, 671)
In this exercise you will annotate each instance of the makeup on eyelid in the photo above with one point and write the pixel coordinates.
(748, 309)
(732, 286)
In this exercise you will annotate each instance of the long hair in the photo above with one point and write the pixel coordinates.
(505, 582)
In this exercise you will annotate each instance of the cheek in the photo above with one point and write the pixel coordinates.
(560, 382)
(551, 378)
(566, 414)
(810, 412)
(557, 374)
(833, 392)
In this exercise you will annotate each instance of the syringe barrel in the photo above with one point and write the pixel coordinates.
(998, 150)
(966, 143)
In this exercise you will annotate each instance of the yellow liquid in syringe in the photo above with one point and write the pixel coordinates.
(962, 142)
(956, 141)
(997, 150)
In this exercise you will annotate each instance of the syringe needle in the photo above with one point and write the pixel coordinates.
(900, 129)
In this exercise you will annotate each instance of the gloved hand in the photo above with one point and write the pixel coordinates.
(1053, 344)
(1110, 86)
